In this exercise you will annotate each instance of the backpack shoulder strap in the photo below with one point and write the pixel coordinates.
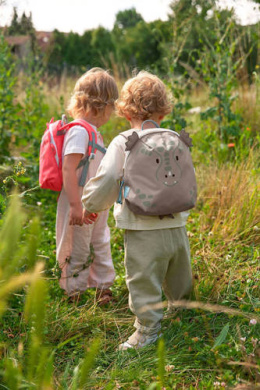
(91, 133)
(93, 146)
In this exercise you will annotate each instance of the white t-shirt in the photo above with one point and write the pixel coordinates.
(75, 141)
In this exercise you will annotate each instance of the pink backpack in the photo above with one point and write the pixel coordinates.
(50, 172)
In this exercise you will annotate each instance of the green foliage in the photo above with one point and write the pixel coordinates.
(13, 257)
(127, 18)
(222, 336)
(192, 22)
(47, 342)
(33, 367)
(20, 123)
(102, 45)
(35, 111)
(9, 120)
(24, 26)
(161, 362)
(88, 363)
(219, 68)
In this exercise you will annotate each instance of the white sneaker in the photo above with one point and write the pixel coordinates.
(139, 340)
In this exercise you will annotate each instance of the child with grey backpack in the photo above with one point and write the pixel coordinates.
(140, 171)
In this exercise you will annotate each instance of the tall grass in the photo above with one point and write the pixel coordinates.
(231, 193)
(57, 345)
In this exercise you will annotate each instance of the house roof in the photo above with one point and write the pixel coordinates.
(17, 40)
(43, 39)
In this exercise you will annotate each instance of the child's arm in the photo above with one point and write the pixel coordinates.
(70, 183)
(102, 191)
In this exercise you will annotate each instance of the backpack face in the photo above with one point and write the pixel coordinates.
(159, 175)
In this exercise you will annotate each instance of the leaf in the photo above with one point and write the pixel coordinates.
(161, 361)
(222, 336)
(88, 362)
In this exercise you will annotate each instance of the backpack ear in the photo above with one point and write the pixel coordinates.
(184, 136)
(131, 141)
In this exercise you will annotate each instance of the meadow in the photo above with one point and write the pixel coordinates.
(211, 341)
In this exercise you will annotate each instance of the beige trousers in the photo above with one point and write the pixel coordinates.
(156, 260)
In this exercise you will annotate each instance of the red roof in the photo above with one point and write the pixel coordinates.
(43, 39)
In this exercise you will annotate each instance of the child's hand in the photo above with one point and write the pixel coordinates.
(89, 218)
(76, 212)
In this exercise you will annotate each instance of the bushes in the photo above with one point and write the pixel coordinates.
(9, 118)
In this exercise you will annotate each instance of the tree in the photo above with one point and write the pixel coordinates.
(194, 25)
(102, 46)
(141, 46)
(127, 18)
(14, 28)
(55, 55)
(137, 43)
(24, 26)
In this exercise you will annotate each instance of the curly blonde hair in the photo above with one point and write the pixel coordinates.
(93, 91)
(142, 96)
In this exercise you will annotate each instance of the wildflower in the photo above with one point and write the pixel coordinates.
(4, 181)
(216, 383)
(39, 203)
(248, 129)
(254, 342)
(169, 367)
(243, 339)
(253, 322)
(223, 384)
(231, 145)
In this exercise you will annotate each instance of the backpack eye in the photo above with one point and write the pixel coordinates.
(177, 158)
(157, 160)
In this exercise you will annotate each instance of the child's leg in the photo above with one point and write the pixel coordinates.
(75, 267)
(73, 249)
(178, 278)
(146, 261)
(101, 272)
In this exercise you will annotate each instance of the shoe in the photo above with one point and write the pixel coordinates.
(139, 340)
(104, 296)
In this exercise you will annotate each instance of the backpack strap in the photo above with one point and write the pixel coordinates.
(93, 146)
(150, 120)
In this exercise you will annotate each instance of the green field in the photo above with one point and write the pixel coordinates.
(211, 341)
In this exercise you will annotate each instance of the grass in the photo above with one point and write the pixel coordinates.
(226, 272)
(210, 345)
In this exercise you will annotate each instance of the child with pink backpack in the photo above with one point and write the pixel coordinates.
(82, 250)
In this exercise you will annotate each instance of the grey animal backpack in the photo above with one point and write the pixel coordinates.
(159, 177)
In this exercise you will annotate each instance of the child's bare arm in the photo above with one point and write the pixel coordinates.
(70, 183)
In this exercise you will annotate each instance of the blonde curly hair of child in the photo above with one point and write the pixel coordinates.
(142, 96)
(93, 91)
